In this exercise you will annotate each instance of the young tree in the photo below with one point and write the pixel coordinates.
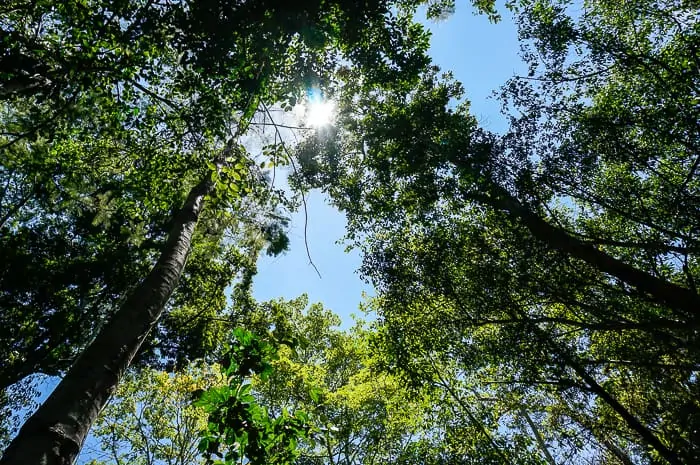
(198, 414)
(151, 419)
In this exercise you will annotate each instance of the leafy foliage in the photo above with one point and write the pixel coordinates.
(151, 419)
(239, 428)
(363, 413)
(537, 289)
(111, 111)
(556, 260)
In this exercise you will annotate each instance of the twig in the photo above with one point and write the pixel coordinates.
(149, 92)
(283, 126)
(303, 197)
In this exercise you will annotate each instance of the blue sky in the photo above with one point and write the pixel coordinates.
(482, 56)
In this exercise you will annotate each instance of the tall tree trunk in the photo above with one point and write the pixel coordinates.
(54, 435)
(632, 422)
(682, 300)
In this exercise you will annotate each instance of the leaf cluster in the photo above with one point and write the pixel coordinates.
(238, 426)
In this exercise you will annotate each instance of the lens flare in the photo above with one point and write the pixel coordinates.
(319, 112)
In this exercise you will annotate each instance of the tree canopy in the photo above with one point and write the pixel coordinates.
(137, 109)
(536, 290)
(558, 260)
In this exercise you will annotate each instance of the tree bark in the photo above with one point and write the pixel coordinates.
(620, 454)
(683, 301)
(55, 433)
(632, 422)
(602, 437)
(538, 437)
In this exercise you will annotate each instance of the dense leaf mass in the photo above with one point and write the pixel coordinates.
(121, 131)
(111, 111)
(536, 290)
(557, 263)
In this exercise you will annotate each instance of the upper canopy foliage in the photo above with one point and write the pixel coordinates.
(560, 258)
(542, 283)
(111, 110)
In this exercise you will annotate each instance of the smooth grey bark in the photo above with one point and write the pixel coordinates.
(55, 433)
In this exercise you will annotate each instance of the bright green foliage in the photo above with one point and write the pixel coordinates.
(362, 413)
(112, 110)
(538, 289)
(355, 411)
(151, 419)
(199, 414)
(239, 428)
(359, 415)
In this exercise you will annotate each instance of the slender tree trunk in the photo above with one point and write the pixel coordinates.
(538, 437)
(602, 437)
(54, 435)
(632, 422)
(684, 301)
(620, 454)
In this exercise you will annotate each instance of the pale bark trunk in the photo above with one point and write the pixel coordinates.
(54, 435)
(538, 436)
(620, 454)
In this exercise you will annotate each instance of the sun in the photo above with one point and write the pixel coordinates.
(317, 111)
(320, 113)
